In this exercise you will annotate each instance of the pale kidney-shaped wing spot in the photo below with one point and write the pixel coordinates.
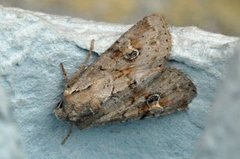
(132, 55)
(153, 99)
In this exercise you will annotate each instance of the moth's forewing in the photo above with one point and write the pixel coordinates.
(160, 94)
(149, 37)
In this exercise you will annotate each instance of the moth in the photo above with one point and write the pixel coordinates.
(131, 80)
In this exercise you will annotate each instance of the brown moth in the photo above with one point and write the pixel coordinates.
(129, 81)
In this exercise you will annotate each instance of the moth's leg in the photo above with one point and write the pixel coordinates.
(64, 72)
(90, 51)
(68, 134)
(83, 66)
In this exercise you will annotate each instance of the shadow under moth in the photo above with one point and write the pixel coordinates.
(131, 80)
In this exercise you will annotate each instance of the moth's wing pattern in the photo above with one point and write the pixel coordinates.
(160, 94)
(139, 52)
(146, 45)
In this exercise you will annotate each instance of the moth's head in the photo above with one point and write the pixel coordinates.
(60, 111)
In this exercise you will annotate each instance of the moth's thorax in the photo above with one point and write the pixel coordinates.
(84, 98)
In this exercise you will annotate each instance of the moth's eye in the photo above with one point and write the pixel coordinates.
(153, 98)
(132, 55)
(60, 105)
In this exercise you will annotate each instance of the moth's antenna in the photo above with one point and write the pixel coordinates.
(68, 134)
(64, 72)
